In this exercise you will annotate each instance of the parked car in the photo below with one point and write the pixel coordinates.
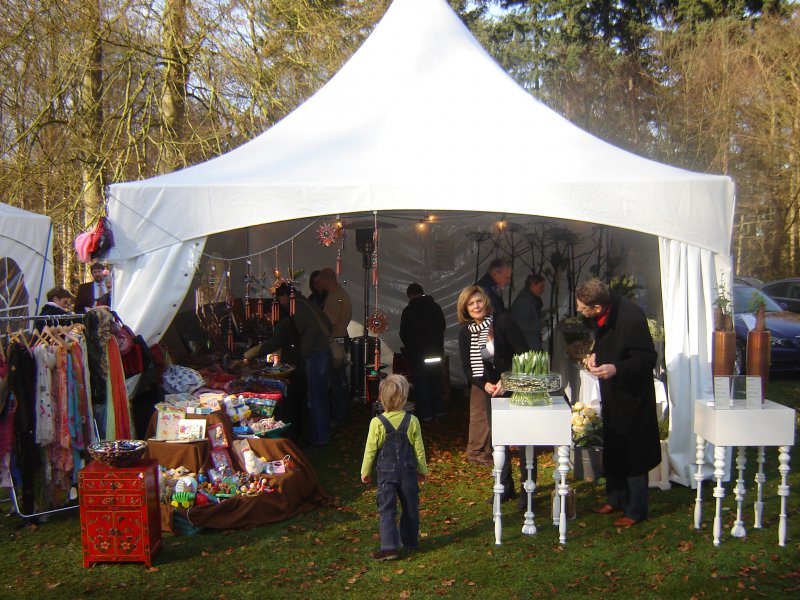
(785, 291)
(748, 280)
(784, 326)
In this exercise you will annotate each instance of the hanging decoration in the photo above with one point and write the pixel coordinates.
(375, 257)
(340, 235)
(276, 310)
(248, 278)
(377, 322)
(229, 306)
(276, 275)
(260, 303)
(328, 233)
(292, 298)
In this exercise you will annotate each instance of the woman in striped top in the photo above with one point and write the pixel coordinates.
(487, 343)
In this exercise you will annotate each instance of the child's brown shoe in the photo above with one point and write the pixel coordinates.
(384, 555)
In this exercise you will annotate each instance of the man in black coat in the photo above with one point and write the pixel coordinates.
(623, 360)
(422, 328)
(496, 279)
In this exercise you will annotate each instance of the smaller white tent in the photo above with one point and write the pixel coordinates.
(26, 261)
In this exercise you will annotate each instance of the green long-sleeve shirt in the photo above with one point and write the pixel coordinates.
(377, 436)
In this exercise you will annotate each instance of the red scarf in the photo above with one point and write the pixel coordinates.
(603, 316)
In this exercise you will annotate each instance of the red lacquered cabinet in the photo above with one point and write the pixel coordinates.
(120, 516)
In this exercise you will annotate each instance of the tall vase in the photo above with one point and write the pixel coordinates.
(723, 353)
(759, 344)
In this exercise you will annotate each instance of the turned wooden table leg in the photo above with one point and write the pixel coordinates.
(499, 460)
(783, 491)
(758, 505)
(529, 527)
(700, 456)
(719, 491)
(563, 491)
(738, 529)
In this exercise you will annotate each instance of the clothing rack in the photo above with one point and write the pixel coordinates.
(22, 319)
(70, 316)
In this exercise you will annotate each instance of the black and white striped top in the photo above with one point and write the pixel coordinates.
(479, 332)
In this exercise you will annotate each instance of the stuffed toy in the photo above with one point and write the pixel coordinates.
(254, 464)
(186, 484)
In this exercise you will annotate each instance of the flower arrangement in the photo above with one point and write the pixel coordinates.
(624, 285)
(587, 427)
(574, 329)
(723, 320)
(656, 330)
(577, 337)
(530, 379)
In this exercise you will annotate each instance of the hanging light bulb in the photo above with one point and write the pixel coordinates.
(502, 224)
(422, 226)
(430, 218)
(339, 223)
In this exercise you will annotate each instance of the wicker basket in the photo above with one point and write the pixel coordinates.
(118, 453)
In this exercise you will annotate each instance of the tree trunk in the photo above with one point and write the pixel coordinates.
(173, 101)
(92, 108)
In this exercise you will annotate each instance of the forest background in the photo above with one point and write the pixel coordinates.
(94, 92)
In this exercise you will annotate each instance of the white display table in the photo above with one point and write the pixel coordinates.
(773, 425)
(529, 427)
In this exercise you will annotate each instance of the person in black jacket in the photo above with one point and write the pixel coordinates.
(58, 304)
(623, 361)
(422, 328)
(496, 279)
(487, 344)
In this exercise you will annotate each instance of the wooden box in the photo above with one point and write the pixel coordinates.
(120, 516)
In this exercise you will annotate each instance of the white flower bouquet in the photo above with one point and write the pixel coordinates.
(587, 427)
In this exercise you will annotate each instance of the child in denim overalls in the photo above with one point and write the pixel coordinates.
(396, 438)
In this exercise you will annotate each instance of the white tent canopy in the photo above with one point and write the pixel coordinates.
(421, 117)
(25, 239)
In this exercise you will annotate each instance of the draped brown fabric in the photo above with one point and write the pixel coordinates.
(296, 491)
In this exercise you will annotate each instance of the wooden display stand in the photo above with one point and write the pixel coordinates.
(120, 516)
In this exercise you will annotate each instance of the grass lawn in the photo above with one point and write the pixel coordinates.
(325, 553)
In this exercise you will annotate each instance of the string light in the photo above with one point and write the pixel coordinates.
(502, 224)
(422, 226)
(430, 218)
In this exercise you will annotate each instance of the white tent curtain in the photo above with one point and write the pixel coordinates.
(690, 277)
(166, 275)
(26, 239)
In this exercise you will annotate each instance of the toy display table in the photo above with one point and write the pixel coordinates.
(531, 426)
(120, 514)
(773, 425)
